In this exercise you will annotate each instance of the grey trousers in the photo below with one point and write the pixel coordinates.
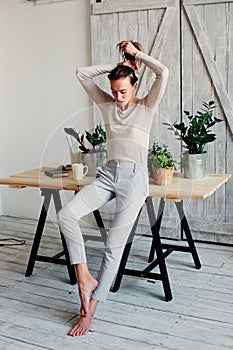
(128, 183)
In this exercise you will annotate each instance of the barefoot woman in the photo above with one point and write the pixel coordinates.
(127, 121)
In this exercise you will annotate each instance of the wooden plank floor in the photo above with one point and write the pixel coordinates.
(37, 312)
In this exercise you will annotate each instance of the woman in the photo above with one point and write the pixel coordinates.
(127, 122)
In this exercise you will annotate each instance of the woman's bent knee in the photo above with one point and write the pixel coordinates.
(65, 216)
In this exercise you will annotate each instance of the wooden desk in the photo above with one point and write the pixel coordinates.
(180, 189)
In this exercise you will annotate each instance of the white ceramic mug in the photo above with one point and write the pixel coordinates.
(79, 171)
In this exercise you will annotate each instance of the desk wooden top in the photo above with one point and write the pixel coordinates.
(181, 187)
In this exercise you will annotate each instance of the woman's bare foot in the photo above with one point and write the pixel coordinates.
(85, 291)
(83, 325)
(86, 285)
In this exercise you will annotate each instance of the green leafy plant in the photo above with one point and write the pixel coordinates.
(95, 139)
(160, 157)
(197, 133)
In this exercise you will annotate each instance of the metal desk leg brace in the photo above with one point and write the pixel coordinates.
(160, 261)
(56, 259)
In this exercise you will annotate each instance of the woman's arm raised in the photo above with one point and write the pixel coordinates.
(86, 74)
(157, 89)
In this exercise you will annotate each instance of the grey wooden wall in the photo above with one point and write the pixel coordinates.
(194, 39)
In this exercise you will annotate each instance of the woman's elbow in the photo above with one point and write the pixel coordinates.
(78, 74)
(165, 72)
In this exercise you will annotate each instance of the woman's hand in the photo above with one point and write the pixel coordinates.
(129, 52)
(127, 47)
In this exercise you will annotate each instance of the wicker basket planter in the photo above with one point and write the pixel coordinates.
(163, 176)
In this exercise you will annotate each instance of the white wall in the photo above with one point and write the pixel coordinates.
(41, 46)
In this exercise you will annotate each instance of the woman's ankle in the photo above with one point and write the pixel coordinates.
(93, 306)
(82, 272)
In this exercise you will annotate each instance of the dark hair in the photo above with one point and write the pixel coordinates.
(128, 56)
(123, 72)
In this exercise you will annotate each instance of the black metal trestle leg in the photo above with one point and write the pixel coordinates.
(39, 231)
(160, 261)
(169, 248)
(48, 195)
(125, 256)
(156, 226)
(186, 229)
(71, 269)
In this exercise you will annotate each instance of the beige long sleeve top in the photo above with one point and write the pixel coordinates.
(127, 131)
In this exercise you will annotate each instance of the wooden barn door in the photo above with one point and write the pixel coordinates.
(193, 38)
(207, 73)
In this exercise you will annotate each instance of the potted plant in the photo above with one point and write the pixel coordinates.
(196, 134)
(161, 164)
(91, 146)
